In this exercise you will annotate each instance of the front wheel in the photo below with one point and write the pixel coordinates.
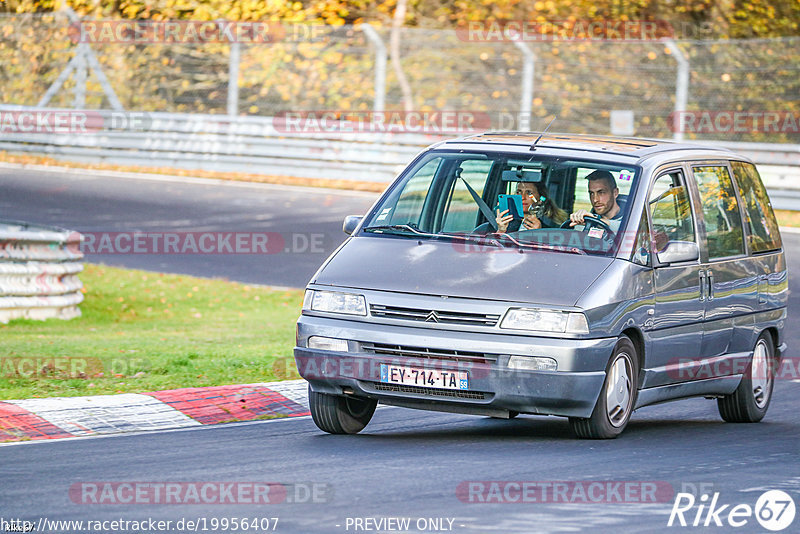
(749, 403)
(340, 414)
(615, 405)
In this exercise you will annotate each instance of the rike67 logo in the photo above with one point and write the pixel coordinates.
(774, 510)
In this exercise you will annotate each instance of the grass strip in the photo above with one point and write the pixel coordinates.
(143, 331)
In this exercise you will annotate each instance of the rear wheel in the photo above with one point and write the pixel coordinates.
(749, 403)
(340, 414)
(616, 402)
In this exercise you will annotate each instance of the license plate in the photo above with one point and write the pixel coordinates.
(425, 378)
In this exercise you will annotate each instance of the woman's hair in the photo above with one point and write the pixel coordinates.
(551, 209)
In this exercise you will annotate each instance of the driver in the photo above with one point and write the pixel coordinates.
(603, 194)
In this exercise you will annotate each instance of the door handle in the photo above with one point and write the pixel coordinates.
(710, 279)
(702, 286)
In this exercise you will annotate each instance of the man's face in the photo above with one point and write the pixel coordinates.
(602, 197)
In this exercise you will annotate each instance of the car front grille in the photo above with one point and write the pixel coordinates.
(433, 316)
(432, 392)
(427, 353)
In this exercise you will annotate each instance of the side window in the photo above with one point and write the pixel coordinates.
(641, 245)
(623, 179)
(409, 205)
(721, 216)
(462, 213)
(763, 235)
(670, 211)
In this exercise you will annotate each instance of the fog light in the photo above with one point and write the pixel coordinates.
(327, 343)
(532, 363)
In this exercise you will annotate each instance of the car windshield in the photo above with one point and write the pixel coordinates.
(509, 200)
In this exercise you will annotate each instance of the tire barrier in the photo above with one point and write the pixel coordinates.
(39, 268)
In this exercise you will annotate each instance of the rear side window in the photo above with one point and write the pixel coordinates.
(721, 216)
(763, 235)
(670, 211)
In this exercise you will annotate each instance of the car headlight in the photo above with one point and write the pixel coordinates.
(334, 302)
(538, 320)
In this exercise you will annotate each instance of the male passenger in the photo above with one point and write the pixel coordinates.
(603, 194)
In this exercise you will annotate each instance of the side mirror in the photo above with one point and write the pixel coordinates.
(350, 223)
(678, 251)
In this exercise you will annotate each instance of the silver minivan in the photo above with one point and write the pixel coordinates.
(577, 276)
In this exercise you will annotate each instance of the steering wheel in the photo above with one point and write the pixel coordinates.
(592, 220)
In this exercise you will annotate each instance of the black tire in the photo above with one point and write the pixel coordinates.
(605, 423)
(750, 401)
(340, 414)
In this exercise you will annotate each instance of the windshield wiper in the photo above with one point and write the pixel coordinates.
(475, 238)
(542, 246)
(412, 228)
(495, 239)
(394, 228)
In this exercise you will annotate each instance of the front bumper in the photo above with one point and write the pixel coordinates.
(494, 389)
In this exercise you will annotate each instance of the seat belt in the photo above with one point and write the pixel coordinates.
(486, 210)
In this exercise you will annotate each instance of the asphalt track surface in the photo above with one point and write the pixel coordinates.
(405, 464)
(306, 223)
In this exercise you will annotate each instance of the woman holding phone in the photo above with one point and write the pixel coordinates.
(540, 211)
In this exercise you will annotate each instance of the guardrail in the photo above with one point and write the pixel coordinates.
(228, 144)
(264, 145)
(39, 269)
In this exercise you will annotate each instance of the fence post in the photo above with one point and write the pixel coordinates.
(79, 92)
(681, 88)
(233, 79)
(526, 100)
(380, 66)
(56, 85)
(83, 60)
(101, 77)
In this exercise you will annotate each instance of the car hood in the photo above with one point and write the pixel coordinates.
(444, 268)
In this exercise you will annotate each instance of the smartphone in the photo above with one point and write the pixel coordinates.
(512, 203)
